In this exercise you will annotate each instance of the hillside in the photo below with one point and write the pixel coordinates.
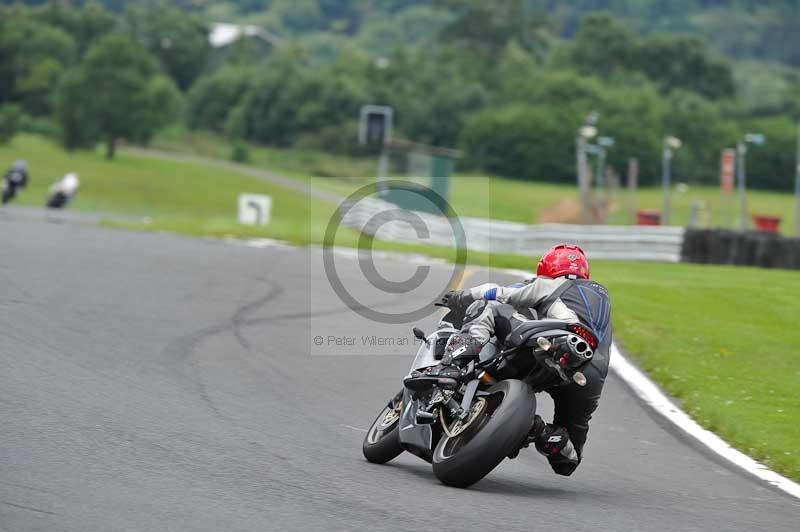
(507, 82)
(740, 29)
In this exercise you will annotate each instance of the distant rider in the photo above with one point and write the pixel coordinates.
(63, 191)
(16, 177)
(561, 290)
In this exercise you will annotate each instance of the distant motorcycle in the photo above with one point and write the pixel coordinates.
(465, 425)
(15, 178)
(63, 191)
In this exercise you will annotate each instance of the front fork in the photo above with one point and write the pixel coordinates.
(444, 400)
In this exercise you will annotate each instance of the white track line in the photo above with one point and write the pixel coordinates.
(656, 399)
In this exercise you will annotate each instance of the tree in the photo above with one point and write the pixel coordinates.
(294, 16)
(84, 25)
(487, 27)
(9, 116)
(32, 58)
(523, 142)
(280, 108)
(685, 63)
(431, 92)
(213, 97)
(288, 98)
(550, 108)
(772, 165)
(604, 46)
(705, 132)
(115, 93)
(409, 27)
(179, 40)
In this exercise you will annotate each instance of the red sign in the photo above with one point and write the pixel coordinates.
(727, 169)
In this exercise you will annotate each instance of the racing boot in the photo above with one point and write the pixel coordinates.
(554, 443)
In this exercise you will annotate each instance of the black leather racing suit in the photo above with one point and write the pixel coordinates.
(579, 300)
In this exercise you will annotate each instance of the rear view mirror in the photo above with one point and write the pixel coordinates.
(419, 334)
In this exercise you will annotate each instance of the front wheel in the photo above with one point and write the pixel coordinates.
(382, 442)
(501, 421)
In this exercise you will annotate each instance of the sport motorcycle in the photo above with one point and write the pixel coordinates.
(466, 416)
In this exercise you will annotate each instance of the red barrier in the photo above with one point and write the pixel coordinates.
(769, 224)
(648, 218)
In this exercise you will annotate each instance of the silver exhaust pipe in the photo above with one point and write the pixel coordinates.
(579, 347)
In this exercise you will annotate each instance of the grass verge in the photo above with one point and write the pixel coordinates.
(489, 197)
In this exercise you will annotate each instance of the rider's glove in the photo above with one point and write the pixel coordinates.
(554, 443)
(457, 299)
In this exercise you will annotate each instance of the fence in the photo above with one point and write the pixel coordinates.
(385, 221)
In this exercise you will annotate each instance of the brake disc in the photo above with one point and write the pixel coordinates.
(459, 426)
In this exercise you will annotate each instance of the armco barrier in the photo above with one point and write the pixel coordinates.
(600, 242)
(719, 246)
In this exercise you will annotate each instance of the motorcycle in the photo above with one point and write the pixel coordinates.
(62, 191)
(467, 416)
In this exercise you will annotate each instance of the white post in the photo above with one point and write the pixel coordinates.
(586, 132)
(583, 181)
(797, 187)
(741, 151)
(665, 182)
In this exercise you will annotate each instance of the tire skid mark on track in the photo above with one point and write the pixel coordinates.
(240, 316)
(32, 488)
(28, 508)
(180, 350)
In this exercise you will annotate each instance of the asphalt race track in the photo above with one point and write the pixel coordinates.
(153, 382)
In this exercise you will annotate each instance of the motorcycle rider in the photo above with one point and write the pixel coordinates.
(63, 190)
(561, 290)
(16, 177)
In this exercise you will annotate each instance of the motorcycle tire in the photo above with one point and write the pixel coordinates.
(382, 442)
(465, 459)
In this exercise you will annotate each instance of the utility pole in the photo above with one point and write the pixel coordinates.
(602, 199)
(797, 187)
(741, 171)
(741, 151)
(670, 144)
(586, 132)
(601, 162)
(603, 143)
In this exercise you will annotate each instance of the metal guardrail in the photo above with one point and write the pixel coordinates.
(385, 221)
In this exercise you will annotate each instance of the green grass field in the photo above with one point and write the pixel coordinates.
(175, 196)
(494, 197)
(717, 338)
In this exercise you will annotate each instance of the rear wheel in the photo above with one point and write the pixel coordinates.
(496, 425)
(382, 442)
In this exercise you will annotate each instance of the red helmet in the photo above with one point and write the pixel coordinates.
(563, 259)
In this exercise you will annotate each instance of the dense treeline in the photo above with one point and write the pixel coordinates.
(494, 79)
(740, 29)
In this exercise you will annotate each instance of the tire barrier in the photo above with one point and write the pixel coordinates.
(720, 246)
